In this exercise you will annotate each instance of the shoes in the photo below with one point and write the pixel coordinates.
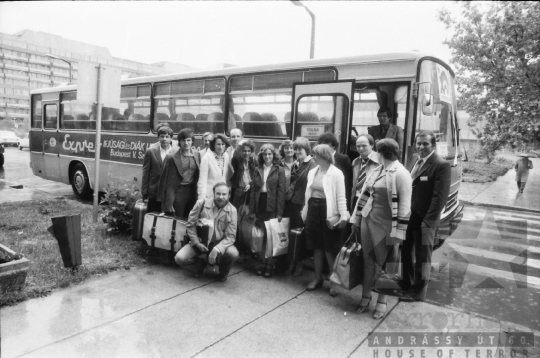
(409, 298)
(199, 269)
(299, 269)
(379, 312)
(290, 269)
(269, 271)
(363, 308)
(222, 278)
(241, 259)
(261, 270)
(332, 292)
(314, 285)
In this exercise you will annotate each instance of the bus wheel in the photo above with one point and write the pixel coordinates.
(80, 182)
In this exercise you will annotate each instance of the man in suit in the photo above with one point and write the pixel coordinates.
(178, 184)
(385, 129)
(342, 162)
(431, 186)
(221, 218)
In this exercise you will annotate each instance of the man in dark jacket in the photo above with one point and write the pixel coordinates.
(342, 162)
(152, 166)
(431, 186)
(386, 129)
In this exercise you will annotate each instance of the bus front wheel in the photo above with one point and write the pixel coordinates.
(80, 182)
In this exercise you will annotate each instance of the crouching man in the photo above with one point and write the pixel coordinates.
(221, 218)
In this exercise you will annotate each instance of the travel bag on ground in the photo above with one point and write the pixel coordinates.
(164, 232)
(139, 211)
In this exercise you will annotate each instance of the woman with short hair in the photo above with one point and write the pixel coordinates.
(214, 166)
(294, 198)
(287, 155)
(381, 217)
(267, 195)
(325, 205)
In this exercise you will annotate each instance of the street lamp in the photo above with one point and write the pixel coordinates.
(312, 50)
(61, 59)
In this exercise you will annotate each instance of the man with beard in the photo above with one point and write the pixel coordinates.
(221, 218)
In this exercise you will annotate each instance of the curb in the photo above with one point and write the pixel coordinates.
(506, 207)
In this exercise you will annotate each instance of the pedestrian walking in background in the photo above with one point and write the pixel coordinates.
(178, 183)
(153, 165)
(325, 212)
(295, 196)
(381, 218)
(522, 167)
(431, 186)
(267, 196)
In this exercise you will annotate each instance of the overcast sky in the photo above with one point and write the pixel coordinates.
(203, 33)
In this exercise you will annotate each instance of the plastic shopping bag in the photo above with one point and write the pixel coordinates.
(280, 236)
(269, 242)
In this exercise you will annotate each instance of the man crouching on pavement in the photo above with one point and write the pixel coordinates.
(221, 218)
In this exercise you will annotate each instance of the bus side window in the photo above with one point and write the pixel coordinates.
(36, 111)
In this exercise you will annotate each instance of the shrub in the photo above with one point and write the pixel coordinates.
(118, 214)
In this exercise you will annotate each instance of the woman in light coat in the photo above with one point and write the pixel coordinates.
(325, 199)
(214, 167)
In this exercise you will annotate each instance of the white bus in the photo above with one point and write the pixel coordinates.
(269, 103)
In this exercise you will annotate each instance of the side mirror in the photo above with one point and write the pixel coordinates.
(427, 104)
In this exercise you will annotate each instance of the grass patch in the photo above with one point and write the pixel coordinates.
(479, 171)
(23, 228)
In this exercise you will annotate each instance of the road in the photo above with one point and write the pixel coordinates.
(17, 172)
(489, 266)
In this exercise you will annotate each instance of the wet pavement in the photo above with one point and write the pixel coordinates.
(503, 193)
(18, 183)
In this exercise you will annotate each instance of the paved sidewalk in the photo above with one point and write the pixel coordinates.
(503, 193)
(162, 311)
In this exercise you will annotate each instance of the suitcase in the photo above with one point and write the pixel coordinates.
(164, 232)
(139, 211)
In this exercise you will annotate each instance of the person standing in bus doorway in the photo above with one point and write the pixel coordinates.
(207, 138)
(341, 161)
(153, 165)
(385, 129)
(430, 188)
(363, 165)
(522, 172)
(178, 185)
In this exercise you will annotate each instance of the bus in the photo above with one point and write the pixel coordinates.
(268, 103)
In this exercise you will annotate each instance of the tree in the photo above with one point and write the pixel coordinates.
(496, 53)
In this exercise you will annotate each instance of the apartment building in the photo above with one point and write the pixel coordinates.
(24, 66)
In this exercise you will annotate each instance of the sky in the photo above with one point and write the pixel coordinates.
(204, 33)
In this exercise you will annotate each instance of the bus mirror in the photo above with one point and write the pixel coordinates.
(427, 104)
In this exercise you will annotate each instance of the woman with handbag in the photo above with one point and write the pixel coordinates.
(295, 196)
(381, 217)
(241, 181)
(267, 196)
(325, 212)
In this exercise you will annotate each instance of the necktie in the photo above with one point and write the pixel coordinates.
(361, 175)
(416, 168)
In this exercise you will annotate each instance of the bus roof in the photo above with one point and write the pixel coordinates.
(403, 57)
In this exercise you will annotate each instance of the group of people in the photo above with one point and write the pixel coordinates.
(375, 198)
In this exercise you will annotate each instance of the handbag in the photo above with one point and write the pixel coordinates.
(257, 237)
(330, 222)
(386, 282)
(348, 269)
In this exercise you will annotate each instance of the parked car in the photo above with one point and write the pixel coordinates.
(9, 138)
(24, 142)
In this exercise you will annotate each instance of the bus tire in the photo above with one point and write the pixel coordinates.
(80, 182)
